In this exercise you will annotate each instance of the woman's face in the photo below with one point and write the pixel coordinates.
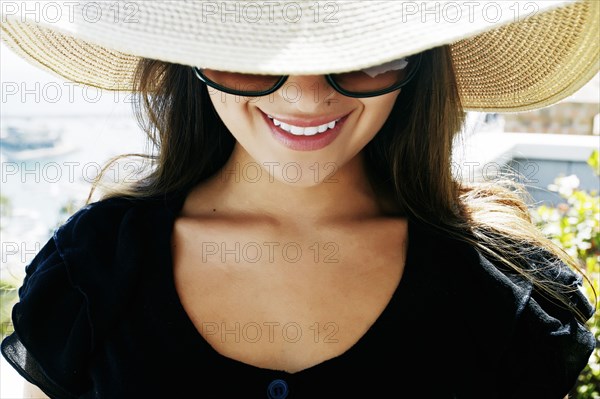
(292, 133)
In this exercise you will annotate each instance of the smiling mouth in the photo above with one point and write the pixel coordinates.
(304, 131)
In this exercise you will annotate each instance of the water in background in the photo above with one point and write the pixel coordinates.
(38, 188)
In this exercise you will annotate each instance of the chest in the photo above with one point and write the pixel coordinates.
(285, 301)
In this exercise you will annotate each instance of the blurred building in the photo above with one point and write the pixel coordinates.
(578, 114)
(537, 146)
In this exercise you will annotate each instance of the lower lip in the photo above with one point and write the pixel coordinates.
(305, 143)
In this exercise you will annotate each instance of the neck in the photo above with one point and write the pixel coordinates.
(242, 187)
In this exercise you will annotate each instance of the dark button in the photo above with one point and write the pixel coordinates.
(277, 389)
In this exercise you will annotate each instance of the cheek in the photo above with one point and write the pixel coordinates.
(234, 114)
(376, 111)
(380, 107)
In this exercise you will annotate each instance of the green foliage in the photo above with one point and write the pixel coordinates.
(8, 284)
(575, 226)
(594, 162)
(8, 297)
(5, 208)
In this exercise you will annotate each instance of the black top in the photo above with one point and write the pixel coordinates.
(99, 317)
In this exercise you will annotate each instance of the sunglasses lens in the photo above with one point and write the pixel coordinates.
(241, 82)
(377, 78)
(366, 82)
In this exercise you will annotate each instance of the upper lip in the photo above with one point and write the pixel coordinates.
(306, 121)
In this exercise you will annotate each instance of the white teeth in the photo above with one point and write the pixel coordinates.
(310, 131)
(303, 131)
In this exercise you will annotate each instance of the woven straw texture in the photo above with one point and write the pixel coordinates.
(507, 58)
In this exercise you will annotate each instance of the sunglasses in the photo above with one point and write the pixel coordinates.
(368, 82)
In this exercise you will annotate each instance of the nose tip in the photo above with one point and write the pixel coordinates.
(307, 92)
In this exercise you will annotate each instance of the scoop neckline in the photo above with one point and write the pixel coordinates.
(175, 204)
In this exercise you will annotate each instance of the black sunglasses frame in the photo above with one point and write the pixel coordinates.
(329, 77)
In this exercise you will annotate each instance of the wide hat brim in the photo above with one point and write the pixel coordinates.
(508, 56)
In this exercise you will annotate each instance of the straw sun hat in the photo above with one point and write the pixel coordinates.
(509, 56)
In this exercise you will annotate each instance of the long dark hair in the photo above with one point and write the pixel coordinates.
(190, 143)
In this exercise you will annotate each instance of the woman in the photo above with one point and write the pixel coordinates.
(300, 232)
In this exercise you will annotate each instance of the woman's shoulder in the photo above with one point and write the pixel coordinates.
(60, 313)
(102, 223)
(106, 242)
(115, 208)
(547, 342)
(476, 266)
(536, 282)
(76, 287)
(514, 318)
